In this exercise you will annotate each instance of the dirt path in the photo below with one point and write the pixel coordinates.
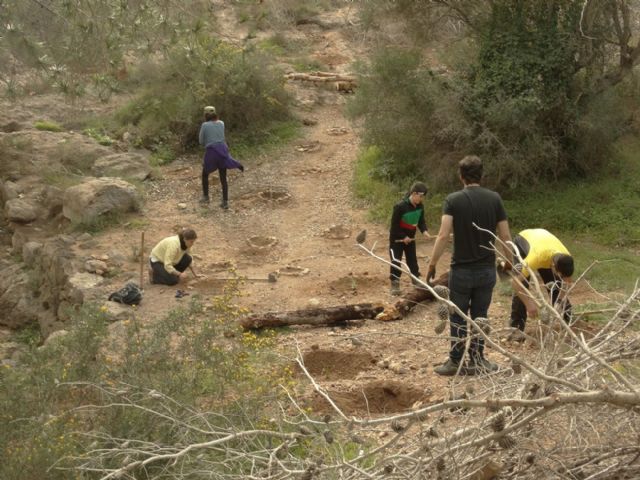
(296, 207)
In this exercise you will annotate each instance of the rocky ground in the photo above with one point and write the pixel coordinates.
(291, 212)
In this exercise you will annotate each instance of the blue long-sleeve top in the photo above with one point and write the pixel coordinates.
(212, 132)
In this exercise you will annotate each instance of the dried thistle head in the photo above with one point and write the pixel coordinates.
(328, 436)
(432, 432)
(483, 324)
(442, 291)
(388, 469)
(507, 442)
(498, 422)
(440, 326)
(516, 367)
(441, 464)
(397, 426)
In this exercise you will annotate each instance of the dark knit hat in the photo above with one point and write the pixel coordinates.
(418, 187)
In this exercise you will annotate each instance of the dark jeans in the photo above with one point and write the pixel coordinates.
(223, 181)
(519, 311)
(470, 289)
(397, 249)
(160, 274)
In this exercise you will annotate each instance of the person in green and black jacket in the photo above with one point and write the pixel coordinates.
(407, 217)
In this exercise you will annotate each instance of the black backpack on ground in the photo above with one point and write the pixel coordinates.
(130, 294)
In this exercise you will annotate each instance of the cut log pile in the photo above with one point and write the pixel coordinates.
(342, 83)
(343, 313)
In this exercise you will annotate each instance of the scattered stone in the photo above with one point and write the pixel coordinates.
(293, 271)
(96, 266)
(20, 211)
(80, 284)
(314, 302)
(337, 131)
(54, 337)
(8, 191)
(312, 146)
(337, 232)
(397, 368)
(125, 165)
(182, 206)
(116, 312)
(98, 196)
(30, 251)
(85, 237)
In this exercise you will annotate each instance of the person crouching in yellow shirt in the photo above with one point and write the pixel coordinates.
(171, 257)
(543, 253)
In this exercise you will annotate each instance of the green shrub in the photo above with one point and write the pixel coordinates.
(372, 187)
(48, 126)
(99, 136)
(83, 391)
(248, 94)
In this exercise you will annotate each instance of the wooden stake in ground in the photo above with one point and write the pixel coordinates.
(141, 259)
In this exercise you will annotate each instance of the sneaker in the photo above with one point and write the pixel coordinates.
(395, 288)
(204, 199)
(481, 365)
(449, 369)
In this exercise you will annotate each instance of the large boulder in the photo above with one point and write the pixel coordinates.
(126, 165)
(84, 203)
(8, 191)
(16, 300)
(20, 211)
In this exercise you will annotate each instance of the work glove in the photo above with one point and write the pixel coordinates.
(431, 273)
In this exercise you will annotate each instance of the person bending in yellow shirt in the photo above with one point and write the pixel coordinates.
(171, 257)
(543, 253)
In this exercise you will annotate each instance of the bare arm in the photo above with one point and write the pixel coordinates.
(446, 227)
(505, 236)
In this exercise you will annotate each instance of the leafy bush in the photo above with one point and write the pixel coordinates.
(511, 94)
(82, 45)
(99, 136)
(196, 355)
(248, 94)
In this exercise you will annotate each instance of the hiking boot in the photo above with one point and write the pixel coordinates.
(204, 199)
(395, 288)
(150, 271)
(224, 205)
(481, 366)
(449, 369)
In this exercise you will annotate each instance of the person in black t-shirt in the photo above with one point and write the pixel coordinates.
(473, 273)
(407, 217)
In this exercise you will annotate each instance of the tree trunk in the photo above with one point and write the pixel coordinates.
(342, 313)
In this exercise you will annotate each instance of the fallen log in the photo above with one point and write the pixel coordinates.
(341, 313)
(321, 77)
(311, 316)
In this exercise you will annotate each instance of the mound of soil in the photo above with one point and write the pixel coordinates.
(377, 397)
(334, 365)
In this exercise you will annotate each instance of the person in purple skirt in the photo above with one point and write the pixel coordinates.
(216, 155)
